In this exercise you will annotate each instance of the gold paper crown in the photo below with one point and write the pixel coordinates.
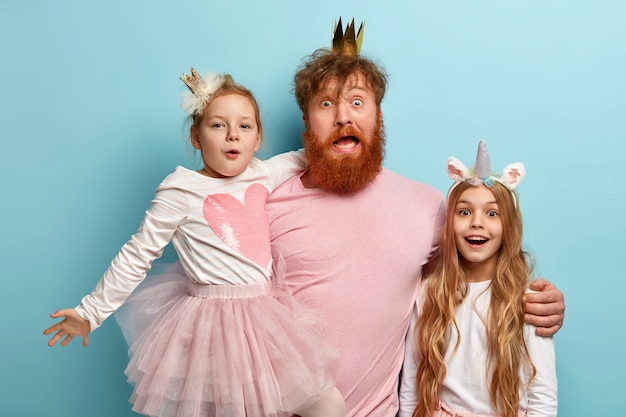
(347, 43)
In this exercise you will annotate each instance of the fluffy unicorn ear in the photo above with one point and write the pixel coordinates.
(513, 174)
(456, 170)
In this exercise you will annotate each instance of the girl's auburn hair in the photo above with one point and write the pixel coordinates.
(446, 288)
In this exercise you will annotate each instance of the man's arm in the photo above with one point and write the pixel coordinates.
(545, 309)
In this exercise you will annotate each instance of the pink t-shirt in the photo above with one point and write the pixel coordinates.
(357, 261)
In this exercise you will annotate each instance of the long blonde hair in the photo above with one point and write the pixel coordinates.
(446, 288)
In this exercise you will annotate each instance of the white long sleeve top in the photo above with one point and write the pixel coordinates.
(218, 226)
(465, 386)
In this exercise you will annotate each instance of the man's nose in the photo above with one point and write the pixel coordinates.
(343, 117)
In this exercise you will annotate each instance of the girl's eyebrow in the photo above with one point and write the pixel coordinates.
(219, 116)
(467, 202)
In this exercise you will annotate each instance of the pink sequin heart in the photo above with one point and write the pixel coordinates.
(244, 227)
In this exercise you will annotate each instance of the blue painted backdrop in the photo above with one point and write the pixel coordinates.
(90, 123)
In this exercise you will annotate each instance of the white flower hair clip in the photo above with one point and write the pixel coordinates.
(200, 91)
(512, 175)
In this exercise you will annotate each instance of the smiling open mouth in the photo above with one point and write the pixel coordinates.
(476, 240)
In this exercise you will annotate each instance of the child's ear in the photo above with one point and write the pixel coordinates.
(195, 139)
(258, 142)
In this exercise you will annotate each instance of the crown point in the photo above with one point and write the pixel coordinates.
(191, 81)
(347, 43)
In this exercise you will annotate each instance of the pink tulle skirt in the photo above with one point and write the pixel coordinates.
(444, 410)
(218, 350)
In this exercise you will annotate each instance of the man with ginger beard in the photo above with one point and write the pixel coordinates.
(351, 171)
(347, 160)
(355, 237)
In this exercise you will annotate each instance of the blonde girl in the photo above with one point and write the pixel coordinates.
(471, 354)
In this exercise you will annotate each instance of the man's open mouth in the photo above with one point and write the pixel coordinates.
(346, 142)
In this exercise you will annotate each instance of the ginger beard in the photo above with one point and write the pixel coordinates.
(345, 173)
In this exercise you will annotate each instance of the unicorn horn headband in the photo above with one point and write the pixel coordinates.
(512, 175)
(200, 91)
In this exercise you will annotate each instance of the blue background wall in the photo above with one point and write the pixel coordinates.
(90, 122)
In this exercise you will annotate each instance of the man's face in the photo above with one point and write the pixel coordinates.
(352, 106)
(344, 137)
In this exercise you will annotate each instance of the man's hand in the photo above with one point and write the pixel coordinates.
(545, 309)
(72, 325)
